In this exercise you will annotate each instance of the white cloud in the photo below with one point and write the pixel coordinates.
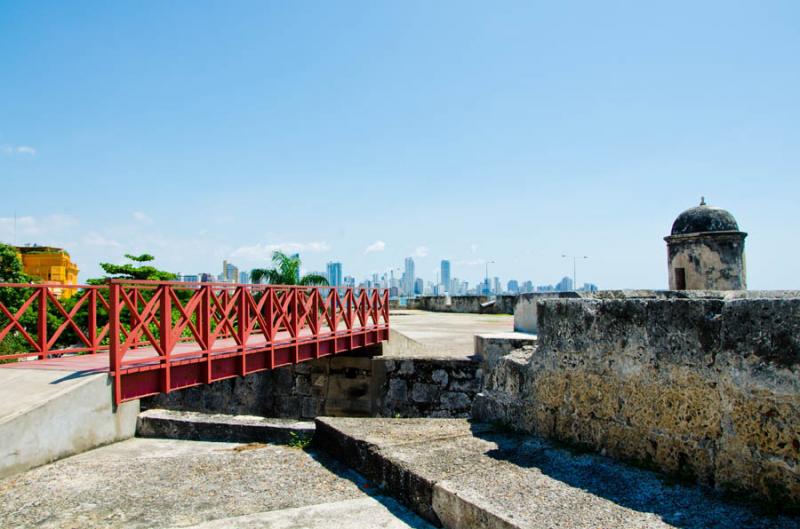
(95, 239)
(28, 226)
(263, 252)
(421, 251)
(142, 217)
(473, 262)
(377, 246)
(10, 150)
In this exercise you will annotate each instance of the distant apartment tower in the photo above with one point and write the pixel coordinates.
(244, 277)
(408, 276)
(565, 285)
(230, 274)
(446, 275)
(419, 286)
(334, 273)
(513, 287)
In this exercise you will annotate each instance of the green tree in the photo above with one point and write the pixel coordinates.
(11, 272)
(134, 271)
(285, 271)
(12, 298)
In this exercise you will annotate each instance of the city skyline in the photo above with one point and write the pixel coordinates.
(439, 130)
(407, 283)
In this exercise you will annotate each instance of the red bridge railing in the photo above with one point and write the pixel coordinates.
(162, 336)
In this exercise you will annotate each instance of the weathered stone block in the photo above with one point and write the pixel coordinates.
(455, 401)
(440, 377)
(398, 390)
(422, 392)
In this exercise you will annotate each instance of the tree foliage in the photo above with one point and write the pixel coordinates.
(285, 271)
(133, 271)
(11, 272)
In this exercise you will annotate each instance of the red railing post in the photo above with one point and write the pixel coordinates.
(243, 323)
(92, 300)
(42, 323)
(294, 306)
(315, 293)
(165, 328)
(269, 316)
(114, 353)
(204, 326)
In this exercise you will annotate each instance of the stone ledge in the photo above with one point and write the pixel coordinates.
(194, 426)
(468, 476)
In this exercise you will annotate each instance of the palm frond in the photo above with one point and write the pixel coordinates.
(314, 280)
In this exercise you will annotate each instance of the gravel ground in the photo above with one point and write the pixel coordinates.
(161, 483)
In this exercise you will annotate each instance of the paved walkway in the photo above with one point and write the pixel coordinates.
(167, 483)
(448, 333)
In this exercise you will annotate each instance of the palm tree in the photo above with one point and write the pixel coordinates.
(285, 271)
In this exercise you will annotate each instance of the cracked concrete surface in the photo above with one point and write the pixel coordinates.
(169, 483)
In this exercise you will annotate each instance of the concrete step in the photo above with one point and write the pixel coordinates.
(465, 476)
(194, 426)
(359, 513)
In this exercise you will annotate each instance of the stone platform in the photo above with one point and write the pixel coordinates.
(145, 483)
(467, 476)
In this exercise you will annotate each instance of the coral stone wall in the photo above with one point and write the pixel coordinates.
(706, 389)
(426, 387)
(335, 386)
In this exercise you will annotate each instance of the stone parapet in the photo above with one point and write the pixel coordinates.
(704, 387)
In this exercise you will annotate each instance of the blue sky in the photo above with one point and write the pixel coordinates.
(474, 131)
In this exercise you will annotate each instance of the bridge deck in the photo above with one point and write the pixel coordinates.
(157, 336)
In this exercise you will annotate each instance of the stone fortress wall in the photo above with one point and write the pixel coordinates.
(701, 385)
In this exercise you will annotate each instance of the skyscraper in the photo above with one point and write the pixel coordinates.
(446, 275)
(565, 285)
(408, 277)
(230, 274)
(334, 274)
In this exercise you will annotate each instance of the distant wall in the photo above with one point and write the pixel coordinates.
(465, 304)
(705, 386)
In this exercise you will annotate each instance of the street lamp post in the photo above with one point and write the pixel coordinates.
(487, 276)
(574, 268)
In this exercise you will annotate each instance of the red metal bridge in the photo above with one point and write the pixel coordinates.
(156, 337)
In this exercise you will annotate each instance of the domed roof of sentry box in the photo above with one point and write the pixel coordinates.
(704, 218)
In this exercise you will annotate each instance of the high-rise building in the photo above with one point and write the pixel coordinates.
(408, 276)
(446, 275)
(244, 277)
(497, 288)
(230, 274)
(565, 285)
(334, 273)
(513, 287)
(419, 286)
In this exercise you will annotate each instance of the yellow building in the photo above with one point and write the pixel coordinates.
(51, 265)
